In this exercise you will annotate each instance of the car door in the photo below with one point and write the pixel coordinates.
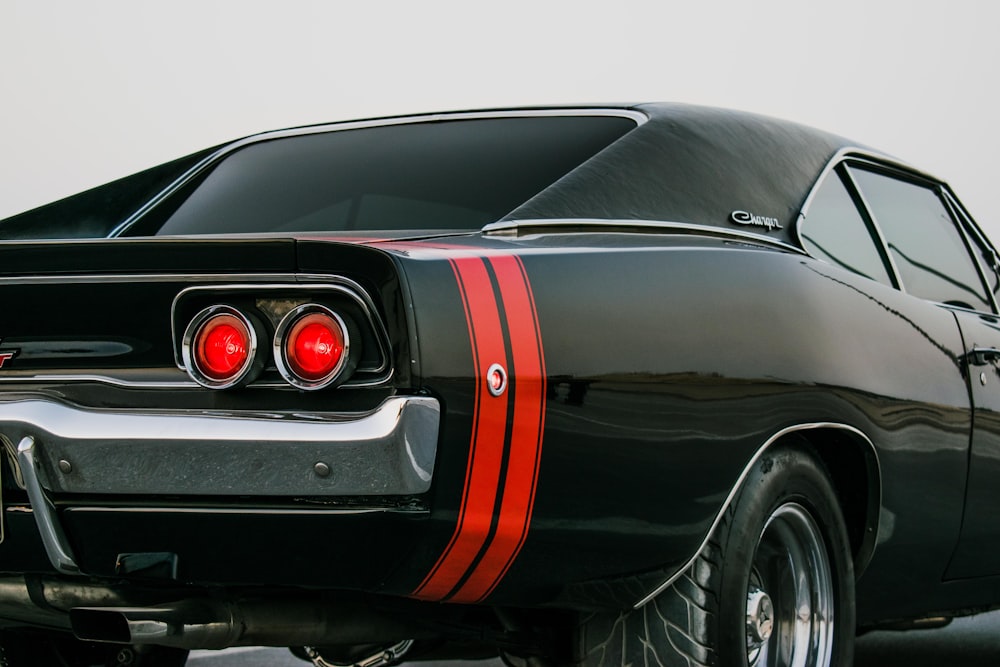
(934, 251)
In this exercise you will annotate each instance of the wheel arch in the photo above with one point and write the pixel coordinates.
(830, 442)
(851, 461)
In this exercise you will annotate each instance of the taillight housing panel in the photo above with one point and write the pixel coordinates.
(305, 336)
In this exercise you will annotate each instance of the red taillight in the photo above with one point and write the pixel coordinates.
(219, 347)
(312, 347)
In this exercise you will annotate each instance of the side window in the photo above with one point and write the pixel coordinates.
(988, 259)
(833, 230)
(925, 244)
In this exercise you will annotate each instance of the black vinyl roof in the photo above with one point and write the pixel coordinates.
(695, 165)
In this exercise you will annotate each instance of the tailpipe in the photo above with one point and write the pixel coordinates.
(215, 624)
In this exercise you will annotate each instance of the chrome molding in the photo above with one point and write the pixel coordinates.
(342, 286)
(633, 114)
(974, 237)
(860, 154)
(242, 511)
(190, 359)
(280, 351)
(56, 545)
(742, 478)
(29, 378)
(243, 278)
(275, 281)
(566, 225)
(183, 382)
(871, 220)
(66, 449)
(852, 158)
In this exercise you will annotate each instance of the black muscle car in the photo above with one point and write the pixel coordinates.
(654, 384)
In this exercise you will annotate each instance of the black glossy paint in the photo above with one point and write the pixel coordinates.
(670, 361)
(976, 556)
(659, 400)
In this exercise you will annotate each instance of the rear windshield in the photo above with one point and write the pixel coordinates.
(444, 175)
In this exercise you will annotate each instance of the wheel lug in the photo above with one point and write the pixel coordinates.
(760, 616)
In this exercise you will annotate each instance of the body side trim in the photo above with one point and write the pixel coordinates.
(243, 511)
(84, 279)
(592, 225)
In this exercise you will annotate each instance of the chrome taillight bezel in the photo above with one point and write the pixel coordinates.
(266, 303)
(280, 349)
(251, 365)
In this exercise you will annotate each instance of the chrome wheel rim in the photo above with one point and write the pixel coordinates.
(790, 594)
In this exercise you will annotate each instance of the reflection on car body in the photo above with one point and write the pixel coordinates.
(578, 385)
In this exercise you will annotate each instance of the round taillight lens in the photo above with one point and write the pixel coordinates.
(222, 347)
(219, 347)
(314, 346)
(311, 347)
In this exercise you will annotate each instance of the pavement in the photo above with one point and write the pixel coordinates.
(967, 642)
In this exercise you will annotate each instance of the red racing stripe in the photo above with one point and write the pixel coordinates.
(482, 477)
(526, 431)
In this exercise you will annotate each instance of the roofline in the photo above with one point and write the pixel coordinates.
(639, 117)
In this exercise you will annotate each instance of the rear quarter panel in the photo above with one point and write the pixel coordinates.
(667, 364)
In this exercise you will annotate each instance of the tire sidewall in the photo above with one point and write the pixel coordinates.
(780, 476)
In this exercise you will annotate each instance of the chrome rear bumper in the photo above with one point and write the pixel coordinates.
(389, 451)
(63, 449)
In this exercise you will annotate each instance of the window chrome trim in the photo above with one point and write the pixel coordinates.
(863, 557)
(861, 155)
(566, 225)
(883, 249)
(966, 217)
(974, 239)
(633, 114)
(968, 230)
(937, 188)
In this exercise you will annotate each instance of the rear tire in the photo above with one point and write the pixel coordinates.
(774, 585)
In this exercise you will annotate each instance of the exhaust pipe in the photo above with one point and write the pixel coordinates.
(127, 615)
(46, 601)
(215, 624)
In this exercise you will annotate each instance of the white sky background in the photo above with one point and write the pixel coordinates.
(92, 91)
